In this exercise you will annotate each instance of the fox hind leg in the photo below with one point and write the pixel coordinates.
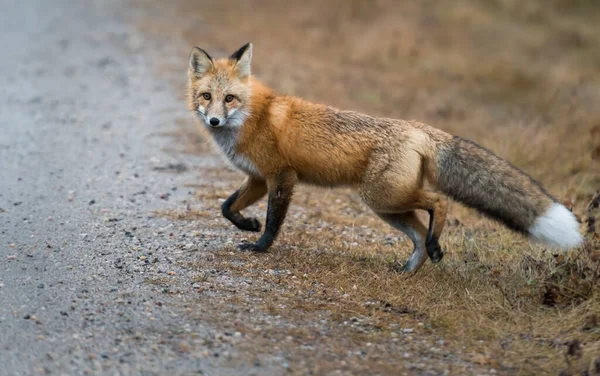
(431, 242)
(437, 207)
(409, 223)
(251, 191)
(395, 187)
(437, 219)
(418, 199)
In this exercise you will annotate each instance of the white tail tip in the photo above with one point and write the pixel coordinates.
(557, 228)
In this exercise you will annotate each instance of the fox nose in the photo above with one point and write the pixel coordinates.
(214, 121)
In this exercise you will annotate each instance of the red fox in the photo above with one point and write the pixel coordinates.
(397, 166)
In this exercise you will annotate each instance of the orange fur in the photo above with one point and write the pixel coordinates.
(397, 166)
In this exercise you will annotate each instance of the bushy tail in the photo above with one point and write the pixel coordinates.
(476, 177)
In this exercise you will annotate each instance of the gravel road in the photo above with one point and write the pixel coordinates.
(82, 167)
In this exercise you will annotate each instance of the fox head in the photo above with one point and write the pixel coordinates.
(218, 90)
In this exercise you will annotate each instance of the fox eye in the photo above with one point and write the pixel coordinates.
(228, 98)
(206, 96)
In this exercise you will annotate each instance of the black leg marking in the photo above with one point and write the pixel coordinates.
(434, 250)
(279, 201)
(241, 222)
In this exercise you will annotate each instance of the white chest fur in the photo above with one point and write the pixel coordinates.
(225, 139)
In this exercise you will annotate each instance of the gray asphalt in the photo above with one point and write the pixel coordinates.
(81, 118)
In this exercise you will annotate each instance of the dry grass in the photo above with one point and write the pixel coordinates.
(525, 303)
(521, 78)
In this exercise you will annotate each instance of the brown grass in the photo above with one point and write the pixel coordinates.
(521, 78)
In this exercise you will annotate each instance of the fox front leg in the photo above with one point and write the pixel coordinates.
(281, 189)
(251, 191)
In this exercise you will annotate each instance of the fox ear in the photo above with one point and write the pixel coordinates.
(200, 63)
(242, 59)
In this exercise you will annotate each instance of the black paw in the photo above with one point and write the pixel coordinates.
(252, 247)
(249, 224)
(434, 250)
